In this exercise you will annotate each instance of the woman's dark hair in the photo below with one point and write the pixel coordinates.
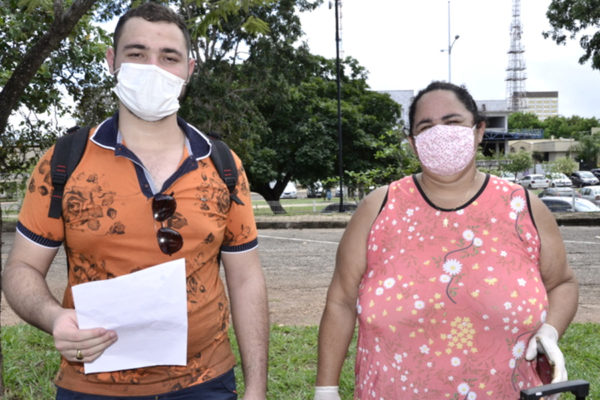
(152, 12)
(461, 93)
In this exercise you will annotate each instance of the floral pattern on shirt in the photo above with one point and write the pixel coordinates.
(449, 298)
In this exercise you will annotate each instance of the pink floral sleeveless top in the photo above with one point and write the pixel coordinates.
(450, 298)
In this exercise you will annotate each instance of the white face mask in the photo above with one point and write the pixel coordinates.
(148, 91)
(446, 149)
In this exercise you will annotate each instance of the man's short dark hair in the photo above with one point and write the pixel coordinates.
(153, 12)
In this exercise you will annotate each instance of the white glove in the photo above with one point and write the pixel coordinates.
(545, 341)
(326, 393)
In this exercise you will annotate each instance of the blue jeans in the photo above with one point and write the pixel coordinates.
(219, 388)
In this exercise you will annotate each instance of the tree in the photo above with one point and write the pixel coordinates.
(524, 120)
(572, 18)
(564, 165)
(588, 150)
(519, 162)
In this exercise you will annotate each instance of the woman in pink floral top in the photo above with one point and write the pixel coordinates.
(458, 279)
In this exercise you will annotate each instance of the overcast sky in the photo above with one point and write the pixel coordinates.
(399, 43)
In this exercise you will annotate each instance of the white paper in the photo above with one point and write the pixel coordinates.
(147, 309)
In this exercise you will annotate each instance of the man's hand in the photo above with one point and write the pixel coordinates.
(80, 345)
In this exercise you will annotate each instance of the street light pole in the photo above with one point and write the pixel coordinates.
(339, 104)
(450, 45)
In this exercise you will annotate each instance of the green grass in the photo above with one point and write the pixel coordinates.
(30, 362)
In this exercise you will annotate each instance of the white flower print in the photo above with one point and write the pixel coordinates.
(377, 348)
(389, 283)
(411, 228)
(444, 278)
(455, 361)
(503, 253)
(463, 388)
(519, 349)
(379, 291)
(512, 363)
(419, 304)
(410, 212)
(512, 215)
(424, 349)
(493, 371)
(398, 357)
(452, 267)
(508, 305)
(522, 282)
(468, 235)
(359, 309)
(478, 242)
(460, 212)
(517, 204)
(494, 220)
(391, 206)
(471, 396)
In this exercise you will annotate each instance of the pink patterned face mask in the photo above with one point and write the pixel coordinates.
(445, 149)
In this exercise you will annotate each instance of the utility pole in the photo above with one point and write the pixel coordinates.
(450, 46)
(339, 102)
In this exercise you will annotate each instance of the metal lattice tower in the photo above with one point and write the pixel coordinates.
(515, 72)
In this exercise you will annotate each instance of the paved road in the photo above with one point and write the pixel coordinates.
(298, 265)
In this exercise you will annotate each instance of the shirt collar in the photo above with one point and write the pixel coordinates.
(107, 136)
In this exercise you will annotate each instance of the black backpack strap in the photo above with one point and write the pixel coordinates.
(225, 164)
(68, 150)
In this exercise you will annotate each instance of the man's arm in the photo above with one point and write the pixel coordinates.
(249, 310)
(24, 283)
(27, 292)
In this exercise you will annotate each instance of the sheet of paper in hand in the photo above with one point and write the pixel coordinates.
(147, 309)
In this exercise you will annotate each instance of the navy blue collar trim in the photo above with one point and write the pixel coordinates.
(107, 136)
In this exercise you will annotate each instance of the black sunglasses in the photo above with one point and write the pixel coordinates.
(163, 208)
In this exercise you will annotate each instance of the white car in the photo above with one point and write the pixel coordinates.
(534, 181)
(565, 204)
(592, 193)
(290, 191)
(558, 179)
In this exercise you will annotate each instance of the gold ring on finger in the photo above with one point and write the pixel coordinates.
(79, 355)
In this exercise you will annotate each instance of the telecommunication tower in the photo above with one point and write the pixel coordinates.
(515, 73)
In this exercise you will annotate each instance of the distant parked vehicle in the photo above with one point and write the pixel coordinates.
(558, 179)
(596, 172)
(315, 189)
(535, 181)
(591, 193)
(560, 192)
(289, 192)
(565, 204)
(584, 178)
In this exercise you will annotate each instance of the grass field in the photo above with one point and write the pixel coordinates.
(30, 362)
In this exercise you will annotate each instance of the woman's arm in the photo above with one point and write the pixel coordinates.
(559, 279)
(339, 317)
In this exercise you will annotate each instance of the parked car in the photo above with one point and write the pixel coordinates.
(596, 172)
(565, 204)
(591, 193)
(558, 179)
(315, 189)
(509, 176)
(535, 181)
(583, 178)
(289, 192)
(560, 192)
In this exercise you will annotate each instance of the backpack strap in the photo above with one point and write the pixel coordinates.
(68, 151)
(223, 159)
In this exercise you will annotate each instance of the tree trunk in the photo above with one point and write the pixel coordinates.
(63, 24)
(272, 195)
